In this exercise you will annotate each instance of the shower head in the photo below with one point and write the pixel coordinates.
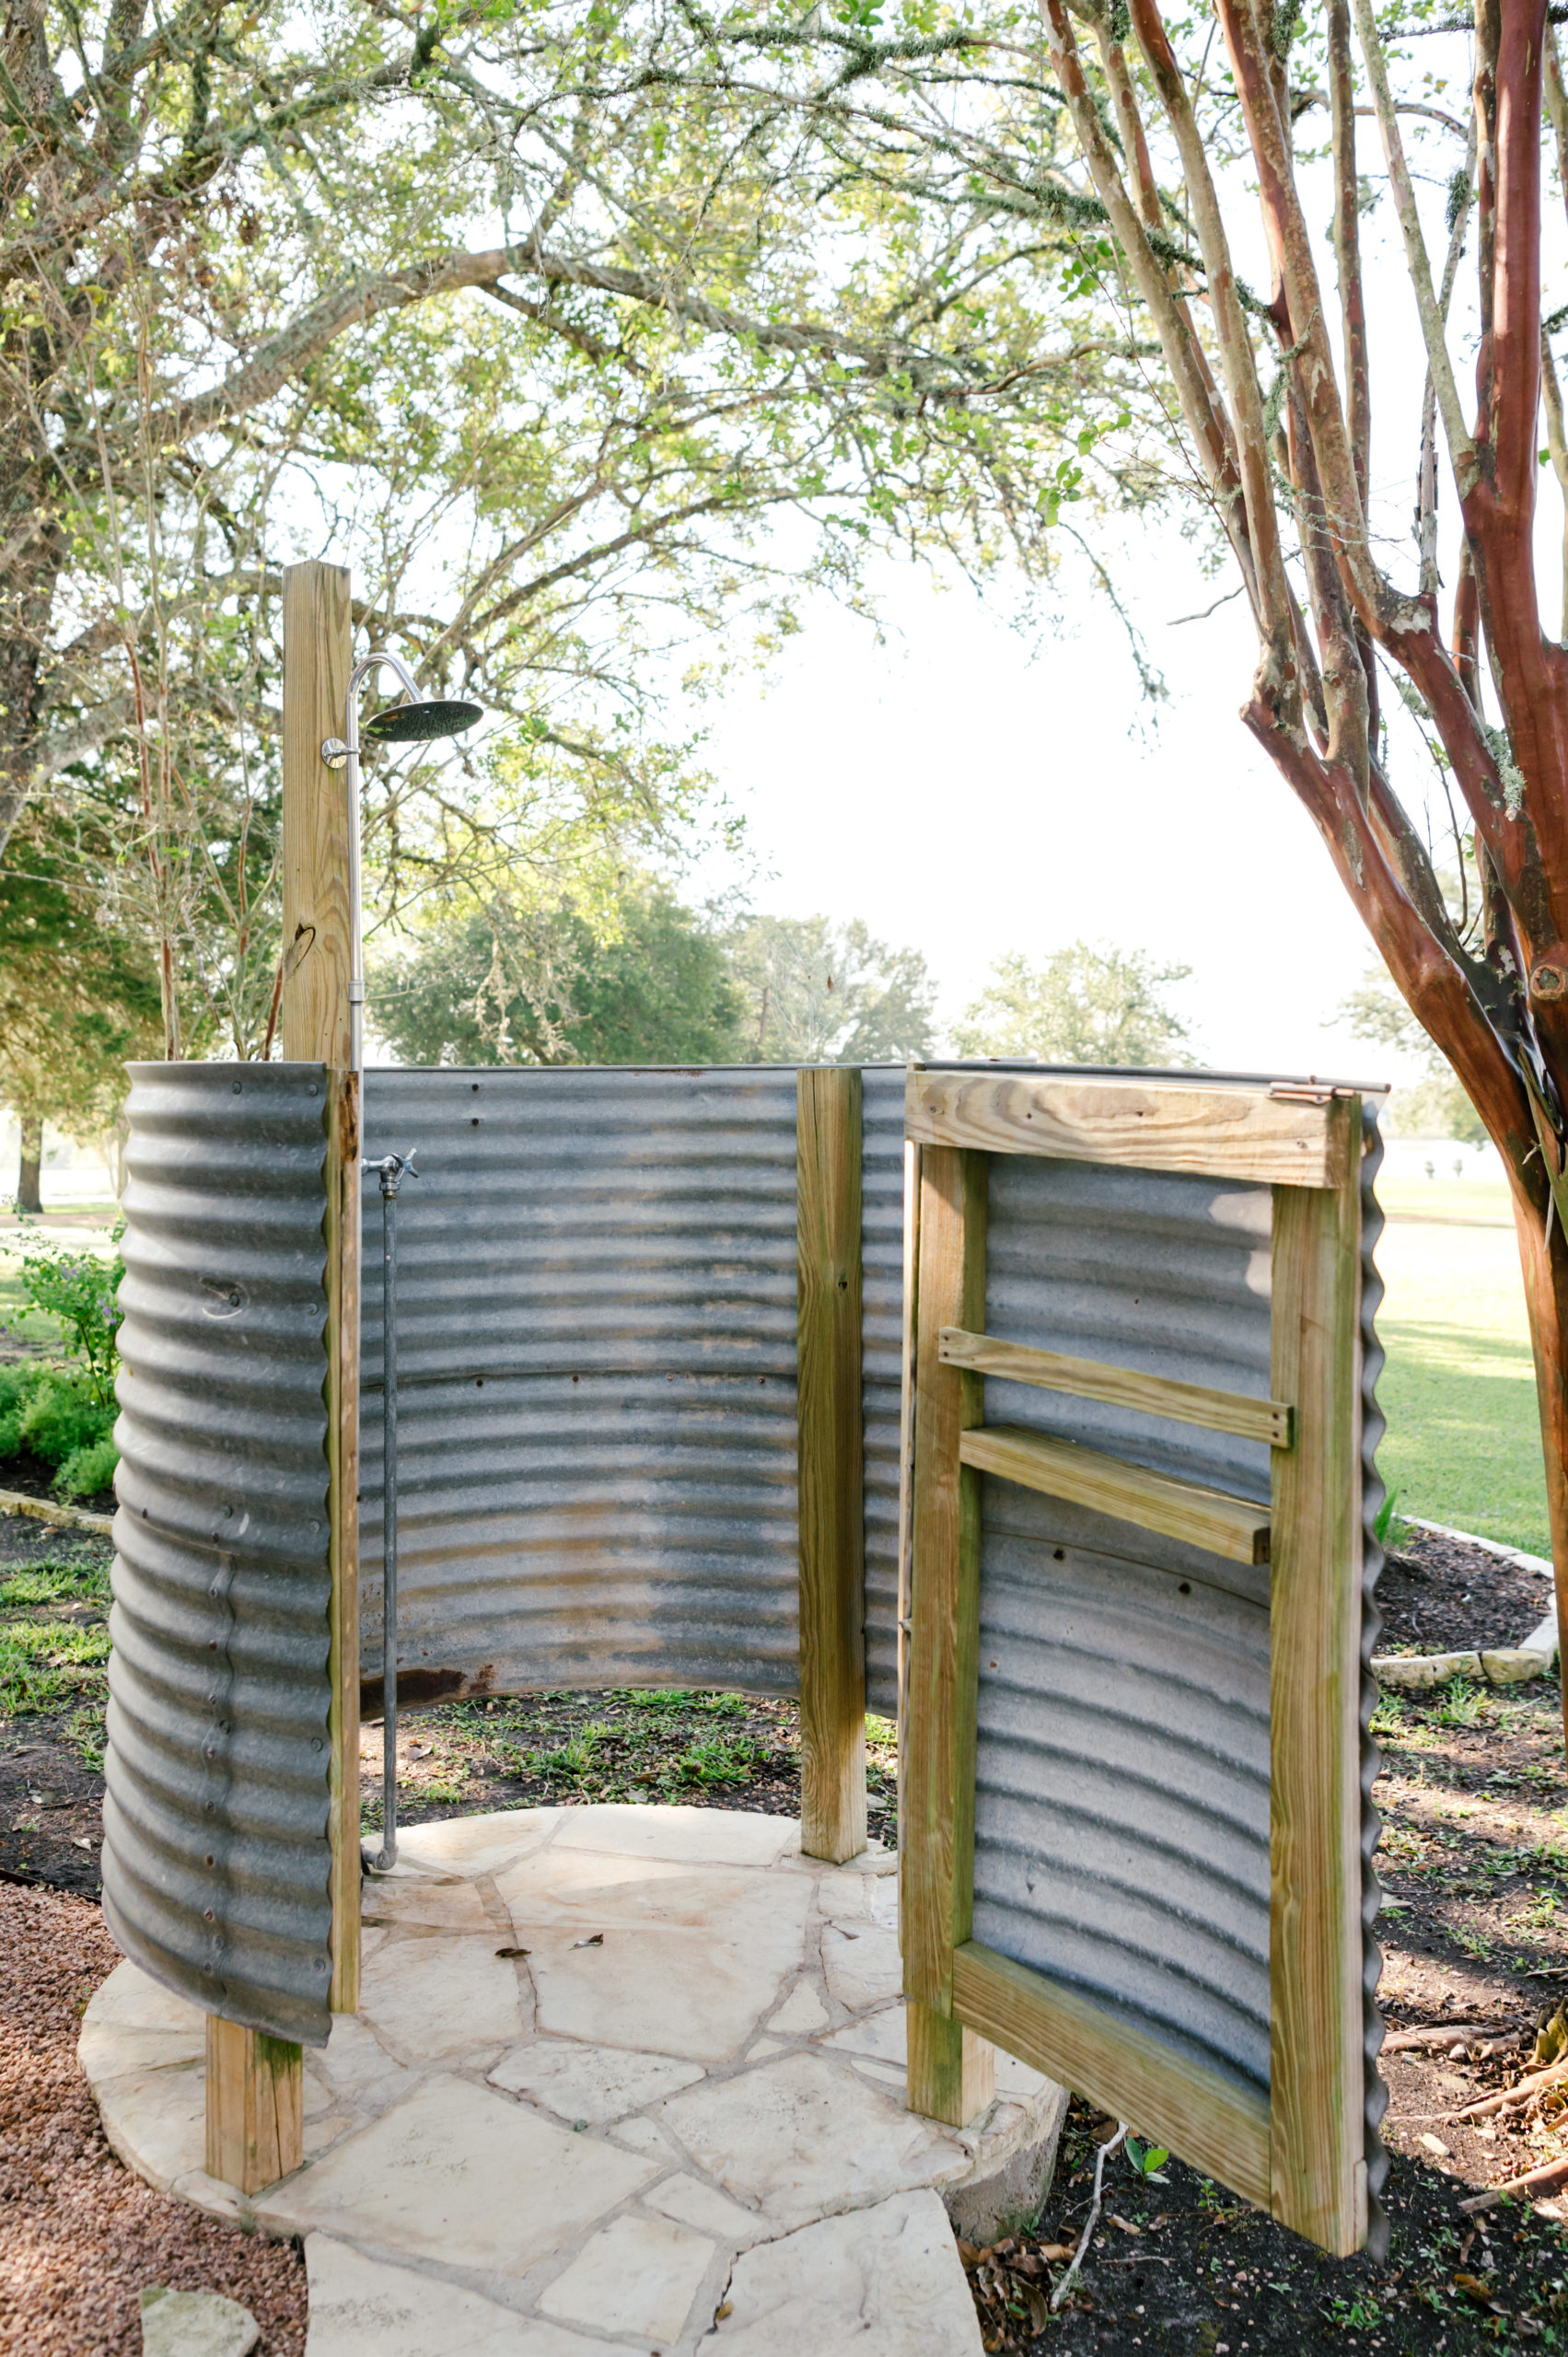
(416, 724)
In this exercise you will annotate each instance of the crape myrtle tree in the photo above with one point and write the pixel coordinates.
(539, 313)
(1180, 129)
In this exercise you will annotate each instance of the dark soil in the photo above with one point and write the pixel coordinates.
(32, 1478)
(1184, 2268)
(79, 2235)
(1438, 1595)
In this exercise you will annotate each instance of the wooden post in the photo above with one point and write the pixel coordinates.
(831, 1479)
(255, 2083)
(316, 1028)
(255, 2106)
(1317, 2128)
(951, 2072)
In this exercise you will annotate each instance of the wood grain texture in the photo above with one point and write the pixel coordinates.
(937, 1875)
(1120, 1386)
(255, 2107)
(315, 1026)
(954, 2071)
(1318, 2139)
(343, 1471)
(1240, 1134)
(1062, 1468)
(1204, 2117)
(831, 1460)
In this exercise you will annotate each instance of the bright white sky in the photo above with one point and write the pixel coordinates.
(970, 796)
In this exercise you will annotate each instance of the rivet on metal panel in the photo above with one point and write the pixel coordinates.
(236, 1087)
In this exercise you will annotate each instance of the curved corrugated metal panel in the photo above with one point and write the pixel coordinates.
(882, 1294)
(1121, 1814)
(596, 1394)
(216, 1856)
(1372, 1428)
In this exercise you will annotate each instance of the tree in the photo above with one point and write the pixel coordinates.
(242, 314)
(77, 999)
(1433, 1106)
(500, 985)
(816, 992)
(1270, 405)
(1081, 1006)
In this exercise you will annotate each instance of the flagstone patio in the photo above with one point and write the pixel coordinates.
(622, 2079)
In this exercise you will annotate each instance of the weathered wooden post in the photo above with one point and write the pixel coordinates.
(254, 2083)
(831, 1473)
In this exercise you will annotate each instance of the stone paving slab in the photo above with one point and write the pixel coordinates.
(624, 2080)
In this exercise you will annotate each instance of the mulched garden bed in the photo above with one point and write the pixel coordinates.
(31, 1478)
(1440, 1595)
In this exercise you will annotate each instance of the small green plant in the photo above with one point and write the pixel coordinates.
(1147, 2161)
(1459, 1704)
(56, 1412)
(54, 1577)
(1389, 1527)
(82, 1292)
(44, 1663)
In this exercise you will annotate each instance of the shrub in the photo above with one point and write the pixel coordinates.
(87, 1470)
(58, 1415)
(83, 1293)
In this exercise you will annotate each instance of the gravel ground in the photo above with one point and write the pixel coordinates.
(79, 2235)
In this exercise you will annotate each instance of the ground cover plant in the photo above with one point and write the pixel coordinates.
(57, 1412)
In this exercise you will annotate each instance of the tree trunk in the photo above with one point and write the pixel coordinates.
(1545, 1268)
(27, 1197)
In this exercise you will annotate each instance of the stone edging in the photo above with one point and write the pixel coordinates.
(64, 1518)
(1497, 1664)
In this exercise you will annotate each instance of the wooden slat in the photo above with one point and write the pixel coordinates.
(937, 1878)
(1203, 2115)
(1120, 1386)
(255, 2107)
(1225, 1525)
(954, 2070)
(832, 1518)
(1317, 2068)
(342, 1478)
(1240, 1134)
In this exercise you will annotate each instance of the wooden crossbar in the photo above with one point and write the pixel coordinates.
(1120, 1386)
(1220, 2126)
(1062, 1468)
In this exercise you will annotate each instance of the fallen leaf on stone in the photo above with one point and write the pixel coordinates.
(727, 2310)
(594, 1940)
(514, 1951)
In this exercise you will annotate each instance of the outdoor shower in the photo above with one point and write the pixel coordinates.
(413, 723)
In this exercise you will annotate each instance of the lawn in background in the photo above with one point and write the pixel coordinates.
(1463, 1444)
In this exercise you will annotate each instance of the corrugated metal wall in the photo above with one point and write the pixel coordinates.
(882, 1296)
(1121, 1840)
(215, 1857)
(596, 1378)
(596, 1402)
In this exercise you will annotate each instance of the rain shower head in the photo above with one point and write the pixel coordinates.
(416, 724)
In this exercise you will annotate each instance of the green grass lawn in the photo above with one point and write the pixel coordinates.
(1463, 1444)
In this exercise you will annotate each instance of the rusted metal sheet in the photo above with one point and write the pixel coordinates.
(1122, 1839)
(597, 1290)
(216, 1856)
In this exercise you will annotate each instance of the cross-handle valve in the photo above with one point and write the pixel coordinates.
(392, 1170)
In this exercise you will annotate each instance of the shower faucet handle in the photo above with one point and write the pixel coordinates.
(392, 1169)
